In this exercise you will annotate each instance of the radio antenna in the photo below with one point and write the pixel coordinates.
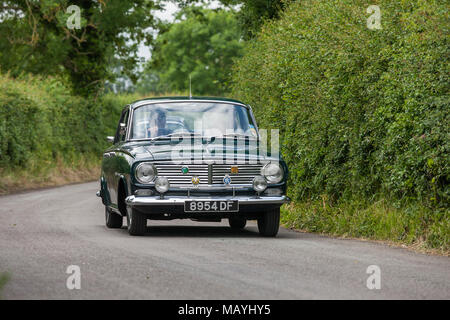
(190, 87)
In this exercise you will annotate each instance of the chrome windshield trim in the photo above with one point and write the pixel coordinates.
(142, 103)
(139, 104)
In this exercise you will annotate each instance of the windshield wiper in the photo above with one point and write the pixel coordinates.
(176, 134)
(184, 134)
(238, 135)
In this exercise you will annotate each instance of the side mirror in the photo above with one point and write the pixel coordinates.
(110, 139)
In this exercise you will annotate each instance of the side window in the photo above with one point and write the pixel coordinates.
(123, 132)
(122, 127)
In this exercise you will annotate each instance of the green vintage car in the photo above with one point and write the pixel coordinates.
(191, 158)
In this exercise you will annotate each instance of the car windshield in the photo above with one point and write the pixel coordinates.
(210, 119)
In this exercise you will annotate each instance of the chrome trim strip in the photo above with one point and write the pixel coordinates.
(141, 103)
(202, 187)
(214, 187)
(180, 200)
(130, 113)
(209, 187)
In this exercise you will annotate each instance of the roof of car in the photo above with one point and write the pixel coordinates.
(184, 98)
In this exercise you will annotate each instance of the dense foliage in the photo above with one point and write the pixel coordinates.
(36, 38)
(362, 113)
(200, 44)
(40, 122)
(251, 14)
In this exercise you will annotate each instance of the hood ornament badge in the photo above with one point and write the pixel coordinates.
(195, 180)
(227, 180)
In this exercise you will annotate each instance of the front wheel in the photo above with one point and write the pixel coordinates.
(269, 223)
(113, 220)
(136, 222)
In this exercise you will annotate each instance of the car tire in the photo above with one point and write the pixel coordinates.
(136, 222)
(237, 223)
(113, 220)
(269, 223)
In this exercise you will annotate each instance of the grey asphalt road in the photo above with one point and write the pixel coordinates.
(44, 232)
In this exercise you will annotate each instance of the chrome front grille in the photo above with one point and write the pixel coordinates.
(177, 178)
(208, 174)
(245, 175)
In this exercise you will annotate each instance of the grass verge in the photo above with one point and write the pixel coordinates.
(4, 277)
(416, 227)
(83, 169)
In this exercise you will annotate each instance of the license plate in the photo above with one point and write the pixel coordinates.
(212, 206)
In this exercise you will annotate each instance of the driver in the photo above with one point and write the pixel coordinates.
(158, 125)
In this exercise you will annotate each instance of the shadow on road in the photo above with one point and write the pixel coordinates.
(197, 231)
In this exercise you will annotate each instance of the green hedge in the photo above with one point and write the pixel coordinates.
(41, 122)
(361, 113)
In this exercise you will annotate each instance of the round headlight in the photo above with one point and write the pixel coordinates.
(259, 184)
(145, 172)
(162, 184)
(273, 172)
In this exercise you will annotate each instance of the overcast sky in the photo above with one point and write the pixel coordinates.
(166, 14)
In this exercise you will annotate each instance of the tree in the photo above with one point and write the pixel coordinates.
(37, 38)
(202, 43)
(252, 13)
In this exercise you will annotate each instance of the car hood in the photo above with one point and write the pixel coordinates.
(231, 148)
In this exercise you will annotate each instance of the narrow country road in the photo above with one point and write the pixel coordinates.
(43, 232)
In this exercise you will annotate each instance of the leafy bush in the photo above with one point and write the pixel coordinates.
(361, 112)
(49, 136)
(40, 122)
(363, 115)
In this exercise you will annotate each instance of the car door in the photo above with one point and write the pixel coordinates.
(114, 155)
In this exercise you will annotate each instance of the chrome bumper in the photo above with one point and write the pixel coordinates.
(178, 200)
